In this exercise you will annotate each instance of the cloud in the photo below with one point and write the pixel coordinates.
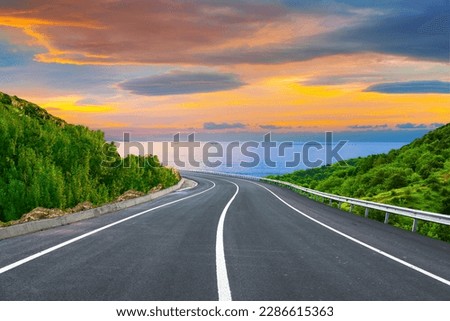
(347, 6)
(368, 126)
(157, 31)
(87, 102)
(274, 127)
(181, 82)
(411, 126)
(341, 79)
(225, 32)
(411, 87)
(213, 126)
(420, 33)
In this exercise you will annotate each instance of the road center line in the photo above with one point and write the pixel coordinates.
(223, 286)
(56, 247)
(389, 256)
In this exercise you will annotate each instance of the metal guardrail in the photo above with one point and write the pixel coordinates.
(388, 209)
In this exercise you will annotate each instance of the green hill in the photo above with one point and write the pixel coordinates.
(46, 162)
(414, 176)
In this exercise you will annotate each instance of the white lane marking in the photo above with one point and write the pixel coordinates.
(223, 286)
(56, 247)
(389, 256)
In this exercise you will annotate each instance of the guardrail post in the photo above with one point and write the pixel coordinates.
(331, 202)
(386, 218)
(339, 205)
(414, 226)
(351, 208)
(366, 212)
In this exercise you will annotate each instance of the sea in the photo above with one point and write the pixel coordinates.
(253, 158)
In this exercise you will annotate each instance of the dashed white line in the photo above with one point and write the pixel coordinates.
(223, 286)
(370, 247)
(56, 247)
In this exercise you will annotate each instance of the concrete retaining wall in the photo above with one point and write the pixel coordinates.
(39, 225)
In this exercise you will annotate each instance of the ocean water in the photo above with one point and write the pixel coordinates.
(253, 158)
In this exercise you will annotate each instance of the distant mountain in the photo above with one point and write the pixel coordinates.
(46, 162)
(414, 176)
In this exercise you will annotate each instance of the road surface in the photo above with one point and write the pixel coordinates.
(225, 239)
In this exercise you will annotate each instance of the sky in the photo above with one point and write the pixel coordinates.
(232, 68)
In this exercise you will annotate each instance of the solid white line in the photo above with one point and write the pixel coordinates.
(389, 256)
(56, 247)
(223, 286)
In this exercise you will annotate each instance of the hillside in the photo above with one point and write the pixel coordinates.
(46, 162)
(414, 176)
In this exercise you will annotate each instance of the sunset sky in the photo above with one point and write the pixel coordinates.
(222, 67)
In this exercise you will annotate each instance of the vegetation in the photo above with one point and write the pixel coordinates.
(414, 176)
(49, 163)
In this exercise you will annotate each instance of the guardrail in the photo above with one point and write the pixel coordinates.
(388, 209)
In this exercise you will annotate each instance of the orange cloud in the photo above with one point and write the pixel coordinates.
(286, 103)
(157, 31)
(67, 107)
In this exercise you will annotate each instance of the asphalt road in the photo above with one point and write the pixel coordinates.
(225, 239)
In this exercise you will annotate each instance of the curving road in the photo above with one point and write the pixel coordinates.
(227, 239)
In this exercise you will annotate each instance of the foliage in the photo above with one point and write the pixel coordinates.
(414, 176)
(49, 163)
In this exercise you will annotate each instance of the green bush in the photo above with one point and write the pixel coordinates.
(47, 162)
(414, 176)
